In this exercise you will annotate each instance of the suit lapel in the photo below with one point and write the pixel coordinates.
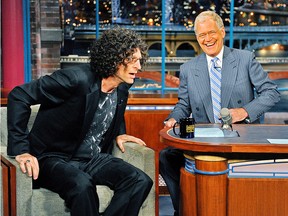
(92, 100)
(203, 85)
(229, 75)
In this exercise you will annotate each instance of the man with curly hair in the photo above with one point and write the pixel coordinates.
(81, 113)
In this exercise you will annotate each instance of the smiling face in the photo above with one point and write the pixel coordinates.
(127, 72)
(210, 37)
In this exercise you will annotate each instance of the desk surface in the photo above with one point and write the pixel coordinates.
(253, 139)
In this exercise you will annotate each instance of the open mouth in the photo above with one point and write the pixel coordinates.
(210, 44)
(133, 75)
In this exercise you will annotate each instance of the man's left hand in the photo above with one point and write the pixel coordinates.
(121, 139)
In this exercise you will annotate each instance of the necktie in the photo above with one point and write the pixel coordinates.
(215, 83)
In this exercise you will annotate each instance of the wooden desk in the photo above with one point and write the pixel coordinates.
(253, 139)
(211, 190)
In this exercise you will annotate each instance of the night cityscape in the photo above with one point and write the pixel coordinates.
(259, 26)
(78, 19)
(177, 12)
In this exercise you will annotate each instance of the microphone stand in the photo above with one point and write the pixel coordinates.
(228, 130)
(227, 126)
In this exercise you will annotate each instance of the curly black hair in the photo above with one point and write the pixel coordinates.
(112, 48)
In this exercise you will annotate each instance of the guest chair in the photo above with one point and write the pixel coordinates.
(42, 202)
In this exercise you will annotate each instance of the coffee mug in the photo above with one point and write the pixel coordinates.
(187, 127)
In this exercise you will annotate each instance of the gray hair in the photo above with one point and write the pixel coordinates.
(208, 15)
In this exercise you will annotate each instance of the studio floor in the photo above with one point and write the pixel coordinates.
(165, 206)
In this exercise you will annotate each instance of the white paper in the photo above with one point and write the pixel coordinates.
(278, 141)
(208, 132)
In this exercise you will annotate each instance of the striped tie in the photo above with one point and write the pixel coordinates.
(215, 83)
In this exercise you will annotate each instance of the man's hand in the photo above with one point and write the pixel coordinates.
(238, 114)
(28, 164)
(121, 139)
(170, 123)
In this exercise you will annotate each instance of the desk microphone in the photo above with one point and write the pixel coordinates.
(226, 119)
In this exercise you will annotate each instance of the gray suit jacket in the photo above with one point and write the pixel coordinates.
(241, 74)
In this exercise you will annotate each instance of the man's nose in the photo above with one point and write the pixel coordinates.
(138, 64)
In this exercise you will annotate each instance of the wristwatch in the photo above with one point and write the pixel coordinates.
(247, 120)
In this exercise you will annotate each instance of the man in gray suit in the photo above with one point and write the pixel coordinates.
(239, 75)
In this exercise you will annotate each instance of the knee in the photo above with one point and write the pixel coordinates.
(163, 156)
(144, 181)
(148, 181)
(80, 184)
(80, 192)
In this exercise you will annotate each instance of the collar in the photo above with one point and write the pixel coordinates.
(219, 56)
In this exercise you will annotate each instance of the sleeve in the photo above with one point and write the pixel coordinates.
(49, 90)
(266, 91)
(124, 92)
(122, 128)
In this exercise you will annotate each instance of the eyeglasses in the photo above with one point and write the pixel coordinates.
(134, 60)
(211, 33)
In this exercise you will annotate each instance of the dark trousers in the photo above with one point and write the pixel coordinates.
(171, 160)
(75, 182)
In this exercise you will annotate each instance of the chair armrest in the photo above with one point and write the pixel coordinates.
(143, 158)
(23, 188)
(139, 156)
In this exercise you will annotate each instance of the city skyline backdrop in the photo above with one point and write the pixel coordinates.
(177, 12)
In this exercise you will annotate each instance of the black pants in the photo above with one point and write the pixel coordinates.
(171, 160)
(75, 182)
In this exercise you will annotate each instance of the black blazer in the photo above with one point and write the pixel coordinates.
(69, 99)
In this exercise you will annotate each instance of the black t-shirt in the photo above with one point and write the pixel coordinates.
(103, 117)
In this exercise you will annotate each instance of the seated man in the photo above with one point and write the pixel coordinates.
(81, 114)
(218, 78)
